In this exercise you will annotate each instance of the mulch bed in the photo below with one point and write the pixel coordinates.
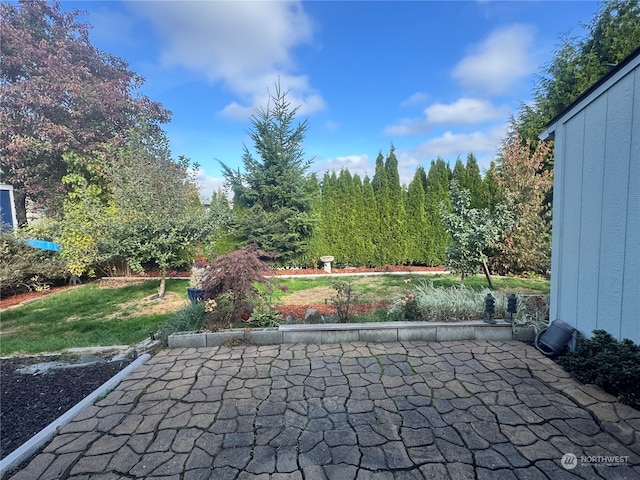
(31, 402)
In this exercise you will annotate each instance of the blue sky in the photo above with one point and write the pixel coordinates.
(435, 79)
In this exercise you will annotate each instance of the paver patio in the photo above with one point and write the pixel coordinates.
(412, 410)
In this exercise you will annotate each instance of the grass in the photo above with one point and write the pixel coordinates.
(92, 316)
(384, 287)
(88, 316)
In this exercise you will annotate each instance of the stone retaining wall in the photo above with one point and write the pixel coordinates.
(355, 332)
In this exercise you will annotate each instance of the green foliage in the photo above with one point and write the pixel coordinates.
(271, 197)
(25, 268)
(190, 318)
(604, 361)
(437, 194)
(472, 231)
(578, 63)
(85, 234)
(59, 94)
(141, 205)
(417, 231)
(343, 300)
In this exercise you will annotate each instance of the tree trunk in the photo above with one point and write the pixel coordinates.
(20, 198)
(485, 269)
(163, 283)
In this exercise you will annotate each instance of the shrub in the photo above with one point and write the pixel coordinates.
(23, 268)
(461, 303)
(230, 280)
(343, 301)
(189, 318)
(604, 361)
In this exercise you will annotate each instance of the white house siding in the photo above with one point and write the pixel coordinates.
(595, 265)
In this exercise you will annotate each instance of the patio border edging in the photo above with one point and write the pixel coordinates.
(354, 332)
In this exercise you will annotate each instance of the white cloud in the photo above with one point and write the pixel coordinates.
(245, 44)
(502, 59)
(414, 99)
(480, 143)
(207, 185)
(408, 126)
(360, 164)
(464, 111)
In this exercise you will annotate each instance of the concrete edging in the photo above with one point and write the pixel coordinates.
(355, 332)
(31, 446)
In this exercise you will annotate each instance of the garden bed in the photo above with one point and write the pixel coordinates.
(30, 402)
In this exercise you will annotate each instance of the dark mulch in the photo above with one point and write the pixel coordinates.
(28, 403)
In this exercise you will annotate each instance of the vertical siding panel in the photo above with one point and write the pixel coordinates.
(614, 207)
(630, 320)
(572, 197)
(591, 214)
(557, 225)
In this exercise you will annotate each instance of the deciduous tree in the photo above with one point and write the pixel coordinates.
(525, 184)
(59, 94)
(472, 231)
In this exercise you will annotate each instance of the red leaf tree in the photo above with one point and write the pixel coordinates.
(59, 94)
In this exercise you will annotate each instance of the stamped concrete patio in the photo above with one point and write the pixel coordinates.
(411, 410)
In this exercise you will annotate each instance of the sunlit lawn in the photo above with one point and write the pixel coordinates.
(93, 316)
(88, 316)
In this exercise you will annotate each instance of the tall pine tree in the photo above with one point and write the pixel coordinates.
(271, 197)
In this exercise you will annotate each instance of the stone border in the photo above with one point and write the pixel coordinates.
(355, 332)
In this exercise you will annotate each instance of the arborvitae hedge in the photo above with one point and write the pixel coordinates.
(375, 222)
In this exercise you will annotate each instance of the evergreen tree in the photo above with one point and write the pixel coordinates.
(579, 62)
(437, 193)
(271, 196)
(397, 216)
(369, 222)
(474, 183)
(382, 192)
(493, 192)
(418, 232)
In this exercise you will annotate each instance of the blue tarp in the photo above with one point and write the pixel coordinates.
(43, 245)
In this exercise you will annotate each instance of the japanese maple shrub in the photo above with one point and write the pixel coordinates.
(230, 285)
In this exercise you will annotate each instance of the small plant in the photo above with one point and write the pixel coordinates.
(533, 311)
(219, 311)
(264, 317)
(410, 310)
(38, 284)
(265, 313)
(611, 364)
(191, 317)
(343, 301)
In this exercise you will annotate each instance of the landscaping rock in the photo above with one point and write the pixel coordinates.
(313, 316)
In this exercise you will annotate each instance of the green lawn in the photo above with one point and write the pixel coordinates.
(91, 316)
(382, 285)
(88, 316)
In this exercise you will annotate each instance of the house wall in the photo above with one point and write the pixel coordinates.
(595, 265)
